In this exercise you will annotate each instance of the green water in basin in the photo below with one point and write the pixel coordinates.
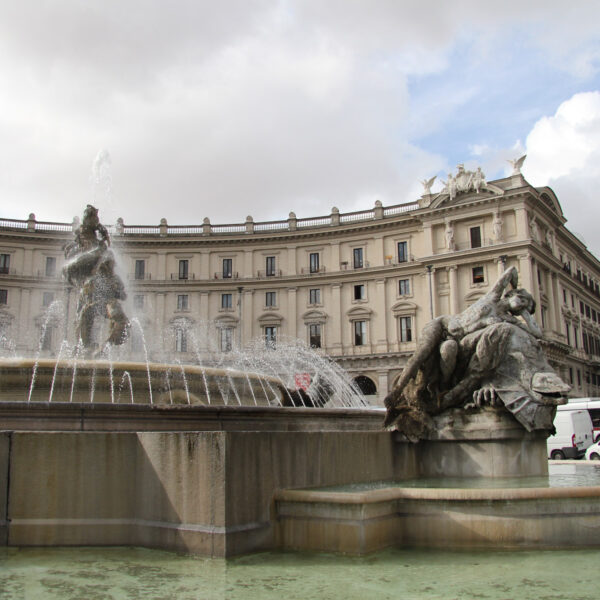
(559, 475)
(119, 573)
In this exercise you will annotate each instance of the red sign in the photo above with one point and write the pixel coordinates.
(302, 381)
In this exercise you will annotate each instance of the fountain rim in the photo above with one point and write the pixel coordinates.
(130, 366)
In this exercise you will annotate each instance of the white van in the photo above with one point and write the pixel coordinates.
(574, 433)
(592, 405)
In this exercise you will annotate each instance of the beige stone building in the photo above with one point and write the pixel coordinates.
(358, 286)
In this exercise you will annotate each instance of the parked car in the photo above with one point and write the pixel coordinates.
(593, 452)
(574, 433)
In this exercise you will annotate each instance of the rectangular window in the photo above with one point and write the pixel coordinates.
(475, 237)
(360, 333)
(565, 296)
(588, 313)
(182, 302)
(50, 266)
(3, 296)
(180, 340)
(576, 336)
(226, 300)
(227, 268)
(404, 287)
(581, 307)
(314, 334)
(183, 269)
(357, 256)
(270, 336)
(270, 266)
(138, 302)
(314, 296)
(140, 269)
(402, 251)
(406, 329)
(47, 298)
(568, 332)
(226, 339)
(359, 292)
(314, 262)
(271, 299)
(578, 377)
(4, 263)
(478, 275)
(571, 375)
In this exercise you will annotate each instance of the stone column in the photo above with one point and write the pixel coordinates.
(247, 323)
(161, 269)
(383, 387)
(204, 266)
(527, 277)
(335, 257)
(453, 281)
(291, 258)
(335, 334)
(556, 302)
(522, 224)
(427, 240)
(28, 262)
(248, 264)
(380, 317)
(203, 313)
(376, 257)
(291, 313)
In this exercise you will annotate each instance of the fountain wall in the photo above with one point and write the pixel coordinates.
(208, 480)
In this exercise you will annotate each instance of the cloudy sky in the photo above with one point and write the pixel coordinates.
(193, 109)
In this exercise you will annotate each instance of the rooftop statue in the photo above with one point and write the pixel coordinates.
(517, 164)
(91, 269)
(488, 354)
(464, 181)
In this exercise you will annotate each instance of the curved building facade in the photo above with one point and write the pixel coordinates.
(357, 286)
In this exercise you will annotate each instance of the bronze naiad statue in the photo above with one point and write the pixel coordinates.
(488, 354)
(91, 269)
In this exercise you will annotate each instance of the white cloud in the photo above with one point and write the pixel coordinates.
(244, 106)
(563, 151)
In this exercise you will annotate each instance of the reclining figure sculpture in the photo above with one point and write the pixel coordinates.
(90, 268)
(488, 354)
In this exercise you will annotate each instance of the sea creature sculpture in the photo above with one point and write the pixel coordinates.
(488, 354)
(91, 269)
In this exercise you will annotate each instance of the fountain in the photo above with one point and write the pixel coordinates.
(217, 460)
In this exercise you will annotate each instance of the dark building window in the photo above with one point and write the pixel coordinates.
(270, 336)
(402, 251)
(360, 333)
(140, 269)
(226, 300)
(182, 302)
(314, 330)
(271, 299)
(359, 292)
(475, 237)
(226, 339)
(357, 255)
(47, 298)
(314, 296)
(406, 329)
(183, 269)
(478, 275)
(270, 266)
(50, 266)
(180, 340)
(314, 262)
(404, 287)
(227, 268)
(4, 263)
(3, 296)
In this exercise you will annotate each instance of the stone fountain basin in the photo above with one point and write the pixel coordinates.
(118, 382)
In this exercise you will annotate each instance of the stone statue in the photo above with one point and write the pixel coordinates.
(464, 181)
(478, 180)
(449, 233)
(534, 229)
(450, 186)
(427, 183)
(488, 354)
(497, 226)
(91, 269)
(517, 164)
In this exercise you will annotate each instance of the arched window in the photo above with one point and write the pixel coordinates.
(365, 385)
